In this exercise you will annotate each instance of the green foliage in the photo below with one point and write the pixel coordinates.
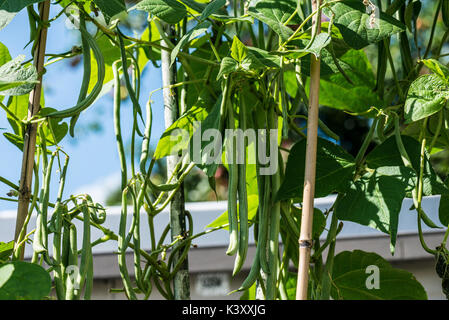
(375, 199)
(23, 281)
(354, 24)
(9, 9)
(16, 80)
(349, 277)
(334, 167)
(170, 11)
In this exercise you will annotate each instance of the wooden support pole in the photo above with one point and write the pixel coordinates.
(26, 175)
(305, 238)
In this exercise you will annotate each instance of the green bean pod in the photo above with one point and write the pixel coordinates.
(86, 253)
(40, 241)
(136, 105)
(122, 248)
(232, 191)
(71, 285)
(86, 75)
(243, 201)
(83, 105)
(146, 139)
(273, 249)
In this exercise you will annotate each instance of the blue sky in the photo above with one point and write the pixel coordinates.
(94, 165)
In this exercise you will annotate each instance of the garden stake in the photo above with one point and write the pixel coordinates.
(26, 175)
(181, 280)
(305, 238)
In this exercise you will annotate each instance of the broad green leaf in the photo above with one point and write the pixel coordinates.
(238, 50)
(151, 34)
(319, 43)
(211, 122)
(6, 249)
(275, 13)
(170, 11)
(253, 205)
(350, 275)
(356, 97)
(189, 36)
(16, 80)
(387, 154)
(438, 68)
(211, 8)
(264, 57)
(9, 9)
(176, 138)
(335, 168)
(227, 66)
(319, 220)
(14, 139)
(195, 7)
(110, 7)
(354, 24)
(427, 95)
(57, 129)
(375, 200)
(4, 54)
(23, 281)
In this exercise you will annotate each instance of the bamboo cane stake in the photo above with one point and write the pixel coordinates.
(181, 280)
(26, 175)
(305, 238)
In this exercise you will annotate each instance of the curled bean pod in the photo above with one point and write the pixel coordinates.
(97, 211)
(86, 75)
(83, 105)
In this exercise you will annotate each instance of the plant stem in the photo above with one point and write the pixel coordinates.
(26, 175)
(305, 238)
(181, 280)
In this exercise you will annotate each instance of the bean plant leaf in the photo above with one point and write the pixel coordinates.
(351, 278)
(227, 66)
(238, 50)
(427, 95)
(16, 80)
(4, 54)
(23, 281)
(375, 200)
(212, 8)
(110, 8)
(253, 204)
(355, 95)
(320, 42)
(274, 13)
(170, 11)
(438, 68)
(199, 147)
(189, 36)
(6, 249)
(387, 154)
(354, 24)
(9, 9)
(334, 168)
